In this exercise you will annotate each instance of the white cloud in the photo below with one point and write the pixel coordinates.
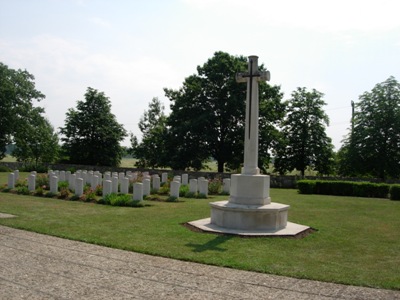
(337, 15)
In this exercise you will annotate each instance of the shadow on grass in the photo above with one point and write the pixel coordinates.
(212, 245)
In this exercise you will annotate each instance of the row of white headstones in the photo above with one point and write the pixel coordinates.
(114, 182)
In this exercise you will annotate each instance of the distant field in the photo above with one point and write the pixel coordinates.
(211, 165)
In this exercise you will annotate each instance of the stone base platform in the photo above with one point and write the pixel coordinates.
(290, 230)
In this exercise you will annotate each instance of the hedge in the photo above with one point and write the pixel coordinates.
(395, 192)
(347, 188)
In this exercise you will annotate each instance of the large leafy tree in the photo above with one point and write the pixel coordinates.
(92, 134)
(208, 113)
(151, 151)
(373, 146)
(305, 142)
(36, 142)
(17, 94)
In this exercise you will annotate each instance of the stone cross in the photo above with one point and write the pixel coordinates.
(252, 111)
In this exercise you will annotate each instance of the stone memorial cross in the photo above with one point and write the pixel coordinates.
(252, 77)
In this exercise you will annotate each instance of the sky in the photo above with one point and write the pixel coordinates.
(131, 50)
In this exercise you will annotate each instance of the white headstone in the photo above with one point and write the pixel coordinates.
(146, 187)
(226, 185)
(62, 175)
(31, 182)
(137, 191)
(79, 187)
(164, 177)
(11, 181)
(54, 184)
(67, 175)
(203, 186)
(106, 187)
(95, 182)
(174, 190)
(156, 182)
(72, 180)
(185, 179)
(193, 186)
(114, 181)
(125, 185)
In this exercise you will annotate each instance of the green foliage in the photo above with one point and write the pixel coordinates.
(201, 196)
(190, 195)
(5, 169)
(39, 191)
(151, 152)
(306, 186)
(343, 188)
(21, 182)
(121, 200)
(183, 190)
(29, 167)
(99, 190)
(64, 193)
(50, 195)
(17, 93)
(36, 143)
(91, 134)
(42, 180)
(88, 195)
(172, 199)
(63, 184)
(306, 143)
(164, 189)
(23, 190)
(372, 148)
(215, 186)
(208, 113)
(395, 192)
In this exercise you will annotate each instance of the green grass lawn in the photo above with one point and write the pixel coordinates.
(357, 239)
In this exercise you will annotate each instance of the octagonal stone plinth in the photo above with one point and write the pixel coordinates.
(270, 217)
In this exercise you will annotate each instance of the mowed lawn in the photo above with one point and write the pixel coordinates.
(357, 239)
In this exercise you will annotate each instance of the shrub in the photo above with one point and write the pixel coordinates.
(63, 185)
(50, 195)
(42, 180)
(88, 195)
(99, 190)
(183, 190)
(22, 190)
(164, 190)
(33, 167)
(306, 186)
(172, 199)
(190, 195)
(39, 191)
(215, 186)
(64, 193)
(5, 169)
(395, 192)
(21, 183)
(368, 189)
(201, 196)
(121, 200)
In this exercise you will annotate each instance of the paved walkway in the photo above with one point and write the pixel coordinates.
(36, 266)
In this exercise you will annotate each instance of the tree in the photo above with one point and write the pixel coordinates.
(208, 113)
(36, 142)
(92, 134)
(373, 146)
(151, 152)
(17, 93)
(306, 143)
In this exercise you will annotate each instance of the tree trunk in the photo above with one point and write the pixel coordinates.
(220, 166)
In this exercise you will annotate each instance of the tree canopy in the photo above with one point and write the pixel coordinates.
(208, 113)
(17, 93)
(305, 142)
(36, 142)
(372, 147)
(152, 150)
(92, 134)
